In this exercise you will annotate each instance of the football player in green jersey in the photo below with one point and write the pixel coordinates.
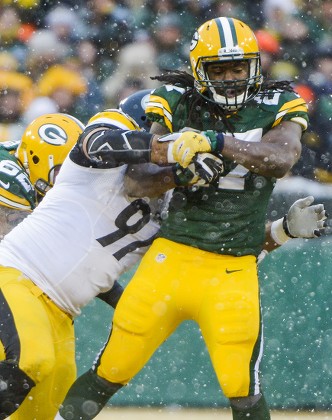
(28, 167)
(203, 265)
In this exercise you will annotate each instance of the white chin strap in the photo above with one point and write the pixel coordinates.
(231, 103)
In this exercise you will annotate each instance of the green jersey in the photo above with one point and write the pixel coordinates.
(16, 190)
(229, 216)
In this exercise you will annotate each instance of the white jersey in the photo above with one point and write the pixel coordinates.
(93, 234)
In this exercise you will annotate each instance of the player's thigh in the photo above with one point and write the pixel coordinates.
(26, 332)
(145, 316)
(45, 398)
(231, 326)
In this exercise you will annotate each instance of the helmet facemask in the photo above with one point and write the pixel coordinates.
(41, 185)
(234, 93)
(224, 41)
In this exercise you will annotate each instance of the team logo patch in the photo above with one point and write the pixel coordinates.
(160, 258)
(53, 134)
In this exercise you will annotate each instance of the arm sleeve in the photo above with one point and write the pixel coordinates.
(110, 148)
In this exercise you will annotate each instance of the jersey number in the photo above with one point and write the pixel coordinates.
(13, 170)
(121, 222)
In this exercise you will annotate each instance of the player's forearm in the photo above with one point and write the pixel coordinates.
(267, 159)
(113, 147)
(269, 243)
(272, 156)
(148, 180)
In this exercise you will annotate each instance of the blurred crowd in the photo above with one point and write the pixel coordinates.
(82, 57)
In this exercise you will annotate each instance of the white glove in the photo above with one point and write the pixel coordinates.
(302, 221)
(184, 146)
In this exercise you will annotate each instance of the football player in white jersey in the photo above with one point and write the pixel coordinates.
(82, 236)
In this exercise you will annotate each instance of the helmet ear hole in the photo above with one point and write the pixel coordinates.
(35, 159)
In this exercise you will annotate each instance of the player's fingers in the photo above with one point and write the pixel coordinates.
(305, 202)
(186, 157)
(321, 224)
(319, 208)
(322, 215)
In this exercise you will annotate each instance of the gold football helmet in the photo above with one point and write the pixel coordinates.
(222, 40)
(45, 143)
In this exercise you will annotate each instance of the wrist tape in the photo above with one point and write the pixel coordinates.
(217, 140)
(278, 233)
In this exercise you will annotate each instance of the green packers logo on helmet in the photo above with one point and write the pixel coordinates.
(44, 146)
(53, 134)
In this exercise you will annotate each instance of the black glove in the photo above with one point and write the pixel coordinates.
(204, 169)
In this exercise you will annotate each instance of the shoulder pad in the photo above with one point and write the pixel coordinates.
(162, 103)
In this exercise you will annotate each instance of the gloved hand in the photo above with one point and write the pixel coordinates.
(303, 220)
(185, 147)
(204, 169)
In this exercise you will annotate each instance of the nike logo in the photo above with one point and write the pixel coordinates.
(5, 184)
(232, 271)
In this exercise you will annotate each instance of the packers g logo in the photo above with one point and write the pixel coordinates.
(194, 41)
(53, 134)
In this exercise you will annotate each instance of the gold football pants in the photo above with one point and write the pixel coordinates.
(173, 283)
(41, 337)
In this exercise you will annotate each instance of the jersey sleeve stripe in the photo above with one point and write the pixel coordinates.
(160, 103)
(157, 101)
(296, 109)
(13, 201)
(296, 106)
(293, 103)
(157, 108)
(302, 121)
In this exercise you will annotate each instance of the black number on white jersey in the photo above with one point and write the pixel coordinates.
(124, 229)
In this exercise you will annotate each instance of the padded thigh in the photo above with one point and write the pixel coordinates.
(174, 283)
(40, 336)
